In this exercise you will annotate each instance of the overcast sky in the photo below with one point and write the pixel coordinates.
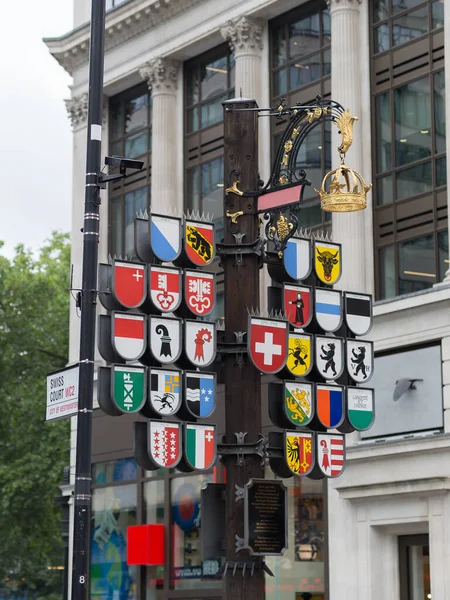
(36, 144)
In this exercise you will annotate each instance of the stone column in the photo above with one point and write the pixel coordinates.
(346, 82)
(244, 35)
(161, 75)
(447, 113)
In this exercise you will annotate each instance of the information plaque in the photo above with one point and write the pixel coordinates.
(265, 517)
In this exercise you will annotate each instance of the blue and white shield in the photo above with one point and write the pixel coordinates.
(328, 309)
(297, 258)
(165, 237)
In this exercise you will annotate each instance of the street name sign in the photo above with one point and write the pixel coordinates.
(62, 393)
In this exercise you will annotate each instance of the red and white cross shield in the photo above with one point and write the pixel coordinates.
(128, 283)
(200, 293)
(267, 344)
(164, 442)
(165, 288)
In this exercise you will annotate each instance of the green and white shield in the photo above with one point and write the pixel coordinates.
(298, 402)
(128, 388)
(360, 408)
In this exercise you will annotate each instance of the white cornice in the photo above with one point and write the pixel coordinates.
(130, 20)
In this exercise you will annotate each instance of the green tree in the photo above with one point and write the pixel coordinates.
(34, 336)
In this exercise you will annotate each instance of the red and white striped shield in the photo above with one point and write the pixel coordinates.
(129, 283)
(199, 292)
(128, 334)
(164, 442)
(165, 288)
(331, 454)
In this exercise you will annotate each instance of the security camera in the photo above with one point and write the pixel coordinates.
(124, 163)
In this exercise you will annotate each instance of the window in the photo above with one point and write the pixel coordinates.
(414, 567)
(301, 70)
(408, 133)
(209, 80)
(130, 135)
(110, 4)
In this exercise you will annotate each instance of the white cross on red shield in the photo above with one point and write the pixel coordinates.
(129, 283)
(267, 344)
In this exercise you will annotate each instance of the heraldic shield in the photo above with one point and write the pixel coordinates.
(165, 237)
(300, 354)
(128, 389)
(327, 261)
(299, 452)
(328, 309)
(199, 292)
(330, 357)
(200, 446)
(164, 443)
(360, 408)
(297, 304)
(297, 258)
(128, 333)
(358, 312)
(199, 242)
(359, 360)
(200, 393)
(165, 339)
(330, 454)
(165, 288)
(165, 391)
(330, 405)
(129, 283)
(267, 344)
(200, 342)
(298, 402)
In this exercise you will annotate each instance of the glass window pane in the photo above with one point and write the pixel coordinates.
(116, 226)
(310, 214)
(437, 14)
(384, 190)
(384, 132)
(278, 47)
(214, 78)
(444, 263)
(326, 27)
(380, 10)
(113, 511)
(212, 112)
(117, 148)
(299, 574)
(309, 158)
(439, 111)
(192, 87)
(136, 113)
(192, 120)
(416, 265)
(280, 82)
(116, 120)
(441, 171)
(412, 113)
(154, 577)
(232, 67)
(326, 63)
(401, 5)
(418, 560)
(123, 469)
(187, 559)
(135, 145)
(413, 181)
(387, 272)
(154, 502)
(212, 188)
(304, 36)
(193, 189)
(381, 38)
(410, 26)
(305, 71)
(327, 146)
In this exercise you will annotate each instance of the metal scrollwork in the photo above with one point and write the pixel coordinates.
(280, 227)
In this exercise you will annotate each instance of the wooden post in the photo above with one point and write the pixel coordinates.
(242, 381)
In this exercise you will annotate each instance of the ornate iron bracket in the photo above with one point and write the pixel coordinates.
(249, 566)
(240, 543)
(240, 449)
(239, 492)
(238, 249)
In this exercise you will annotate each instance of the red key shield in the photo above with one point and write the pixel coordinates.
(129, 283)
(267, 344)
(200, 292)
(165, 288)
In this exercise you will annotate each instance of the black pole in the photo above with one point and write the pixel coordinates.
(82, 499)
